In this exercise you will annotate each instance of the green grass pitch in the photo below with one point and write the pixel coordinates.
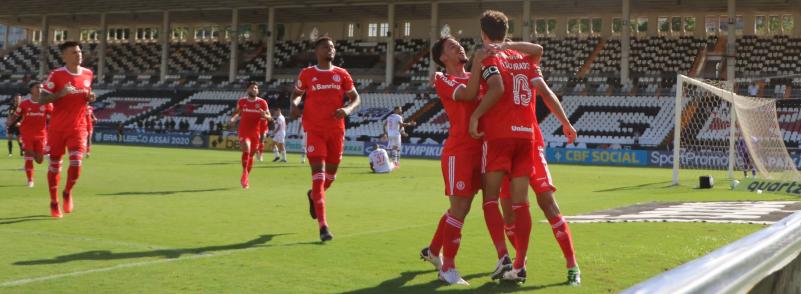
(155, 220)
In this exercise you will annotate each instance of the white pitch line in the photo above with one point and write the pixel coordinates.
(147, 263)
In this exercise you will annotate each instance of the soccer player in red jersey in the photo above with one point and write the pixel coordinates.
(90, 127)
(461, 156)
(250, 110)
(324, 121)
(33, 128)
(542, 183)
(69, 88)
(504, 118)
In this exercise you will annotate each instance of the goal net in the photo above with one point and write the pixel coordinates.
(716, 129)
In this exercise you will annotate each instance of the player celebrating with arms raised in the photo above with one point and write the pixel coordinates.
(33, 128)
(69, 88)
(250, 111)
(324, 115)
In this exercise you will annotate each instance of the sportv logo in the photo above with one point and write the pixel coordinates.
(793, 188)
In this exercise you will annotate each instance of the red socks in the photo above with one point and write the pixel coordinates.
(329, 179)
(452, 237)
(510, 233)
(245, 161)
(74, 170)
(494, 221)
(53, 177)
(29, 168)
(522, 232)
(436, 242)
(565, 239)
(318, 197)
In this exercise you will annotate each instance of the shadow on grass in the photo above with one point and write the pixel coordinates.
(667, 184)
(22, 219)
(397, 285)
(215, 163)
(134, 193)
(164, 253)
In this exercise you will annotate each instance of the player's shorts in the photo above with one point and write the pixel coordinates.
(462, 173)
(34, 144)
(14, 130)
(73, 140)
(394, 141)
(263, 127)
(253, 139)
(511, 156)
(327, 146)
(279, 138)
(540, 181)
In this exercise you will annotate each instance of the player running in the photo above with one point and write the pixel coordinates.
(33, 128)
(69, 88)
(394, 130)
(379, 161)
(279, 136)
(12, 126)
(91, 119)
(324, 121)
(250, 111)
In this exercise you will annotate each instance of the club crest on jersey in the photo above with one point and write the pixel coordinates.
(314, 79)
(310, 149)
(41, 108)
(50, 85)
(87, 83)
(337, 78)
(460, 185)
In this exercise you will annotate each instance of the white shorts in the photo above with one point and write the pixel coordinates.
(279, 138)
(394, 140)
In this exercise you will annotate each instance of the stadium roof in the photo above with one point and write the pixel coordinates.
(86, 12)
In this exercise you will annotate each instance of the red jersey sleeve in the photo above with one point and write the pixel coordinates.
(53, 84)
(302, 83)
(445, 87)
(347, 81)
(536, 73)
(264, 105)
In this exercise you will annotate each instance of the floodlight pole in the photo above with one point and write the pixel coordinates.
(526, 20)
(268, 66)
(45, 48)
(730, 76)
(101, 48)
(625, 43)
(165, 45)
(233, 35)
(433, 37)
(390, 68)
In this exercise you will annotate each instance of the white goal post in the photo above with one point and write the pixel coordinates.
(717, 129)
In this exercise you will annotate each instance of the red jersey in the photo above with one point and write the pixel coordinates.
(34, 118)
(250, 114)
(325, 90)
(459, 113)
(69, 112)
(90, 111)
(514, 114)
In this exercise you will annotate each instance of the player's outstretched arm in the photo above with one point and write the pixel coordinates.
(494, 93)
(553, 104)
(234, 117)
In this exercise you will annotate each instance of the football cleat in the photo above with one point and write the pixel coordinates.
(55, 211)
(452, 277)
(312, 212)
(325, 235)
(574, 276)
(244, 181)
(283, 160)
(68, 205)
(504, 265)
(261, 157)
(30, 184)
(276, 159)
(426, 255)
(515, 275)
